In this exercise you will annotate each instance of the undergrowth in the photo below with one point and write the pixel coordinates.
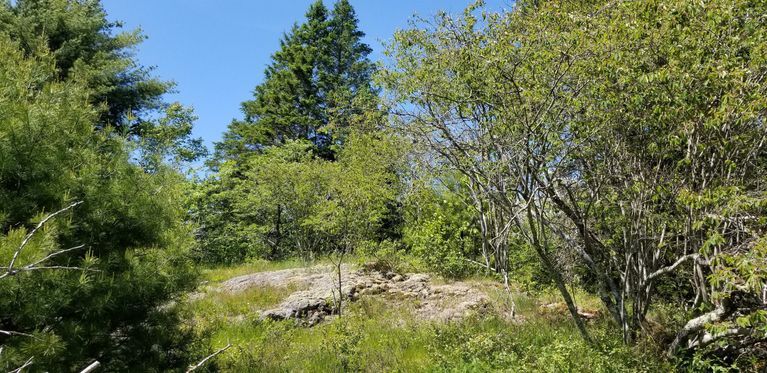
(377, 334)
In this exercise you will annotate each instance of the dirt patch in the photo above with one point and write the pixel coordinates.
(312, 304)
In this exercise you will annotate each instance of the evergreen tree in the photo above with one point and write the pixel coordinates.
(278, 188)
(347, 73)
(85, 44)
(319, 74)
(88, 48)
(101, 299)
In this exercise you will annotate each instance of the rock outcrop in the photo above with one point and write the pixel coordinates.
(320, 289)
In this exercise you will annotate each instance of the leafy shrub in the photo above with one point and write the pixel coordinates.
(441, 244)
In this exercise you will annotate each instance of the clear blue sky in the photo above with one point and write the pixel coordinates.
(216, 51)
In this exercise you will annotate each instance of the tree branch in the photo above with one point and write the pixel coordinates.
(192, 368)
(19, 369)
(92, 367)
(709, 338)
(670, 268)
(10, 333)
(34, 266)
(29, 235)
(54, 255)
(696, 325)
(483, 265)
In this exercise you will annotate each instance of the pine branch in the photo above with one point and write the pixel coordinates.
(29, 235)
(11, 271)
(19, 369)
(35, 266)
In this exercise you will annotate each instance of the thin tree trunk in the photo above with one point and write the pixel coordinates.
(537, 236)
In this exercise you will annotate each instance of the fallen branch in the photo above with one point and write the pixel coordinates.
(192, 368)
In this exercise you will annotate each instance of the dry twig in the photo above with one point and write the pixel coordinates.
(202, 362)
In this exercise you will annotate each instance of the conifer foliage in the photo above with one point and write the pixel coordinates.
(88, 48)
(318, 80)
(288, 176)
(92, 242)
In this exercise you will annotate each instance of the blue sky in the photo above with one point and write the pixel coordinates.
(216, 51)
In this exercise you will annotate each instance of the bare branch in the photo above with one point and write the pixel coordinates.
(696, 325)
(32, 268)
(483, 265)
(672, 267)
(29, 235)
(709, 338)
(11, 333)
(91, 368)
(192, 368)
(57, 253)
(19, 369)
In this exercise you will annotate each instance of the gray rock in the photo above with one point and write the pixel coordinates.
(314, 303)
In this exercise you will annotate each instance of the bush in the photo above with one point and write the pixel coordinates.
(441, 244)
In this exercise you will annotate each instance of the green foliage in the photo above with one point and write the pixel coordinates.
(442, 245)
(379, 334)
(308, 170)
(441, 231)
(84, 45)
(169, 139)
(540, 346)
(288, 201)
(105, 304)
(386, 256)
(87, 48)
(318, 83)
(628, 136)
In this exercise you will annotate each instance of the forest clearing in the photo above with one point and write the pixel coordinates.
(542, 186)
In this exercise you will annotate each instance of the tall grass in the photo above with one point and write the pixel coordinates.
(378, 334)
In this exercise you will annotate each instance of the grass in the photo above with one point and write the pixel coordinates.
(226, 307)
(378, 335)
(223, 273)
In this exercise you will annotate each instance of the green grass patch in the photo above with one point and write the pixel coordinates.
(219, 307)
(223, 273)
(377, 334)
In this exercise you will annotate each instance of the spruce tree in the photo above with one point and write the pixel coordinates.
(347, 73)
(309, 91)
